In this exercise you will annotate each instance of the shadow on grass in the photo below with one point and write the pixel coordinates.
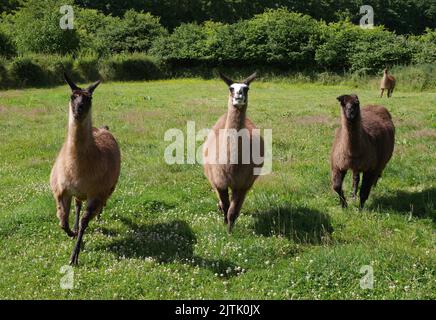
(302, 225)
(165, 242)
(421, 204)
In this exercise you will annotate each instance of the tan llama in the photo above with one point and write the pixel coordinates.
(237, 171)
(87, 167)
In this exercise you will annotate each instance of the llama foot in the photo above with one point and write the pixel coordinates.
(230, 228)
(344, 204)
(220, 208)
(71, 234)
(74, 259)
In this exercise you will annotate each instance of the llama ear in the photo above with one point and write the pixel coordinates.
(341, 99)
(356, 98)
(226, 79)
(250, 79)
(92, 87)
(71, 83)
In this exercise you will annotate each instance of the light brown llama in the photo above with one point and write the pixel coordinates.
(387, 83)
(87, 167)
(239, 175)
(363, 143)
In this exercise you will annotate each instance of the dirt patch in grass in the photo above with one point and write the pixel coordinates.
(204, 102)
(29, 113)
(316, 119)
(401, 122)
(139, 118)
(424, 133)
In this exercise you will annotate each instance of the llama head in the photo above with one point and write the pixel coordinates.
(81, 99)
(386, 70)
(350, 107)
(238, 90)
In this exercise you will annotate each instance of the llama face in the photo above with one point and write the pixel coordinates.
(80, 104)
(239, 94)
(238, 90)
(350, 107)
(81, 99)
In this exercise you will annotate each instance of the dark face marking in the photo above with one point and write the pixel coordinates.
(81, 101)
(350, 107)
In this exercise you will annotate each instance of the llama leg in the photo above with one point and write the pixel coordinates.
(367, 182)
(338, 178)
(382, 91)
(238, 197)
(63, 204)
(76, 221)
(93, 208)
(224, 203)
(356, 180)
(389, 93)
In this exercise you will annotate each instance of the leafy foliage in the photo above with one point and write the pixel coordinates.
(402, 16)
(7, 48)
(276, 37)
(424, 47)
(135, 66)
(35, 28)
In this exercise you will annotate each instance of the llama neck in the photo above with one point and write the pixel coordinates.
(351, 136)
(235, 117)
(80, 137)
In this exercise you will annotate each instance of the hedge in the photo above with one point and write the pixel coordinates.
(292, 41)
(45, 70)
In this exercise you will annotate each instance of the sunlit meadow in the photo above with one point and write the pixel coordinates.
(161, 235)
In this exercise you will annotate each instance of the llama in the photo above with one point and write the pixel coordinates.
(87, 167)
(363, 143)
(387, 83)
(238, 176)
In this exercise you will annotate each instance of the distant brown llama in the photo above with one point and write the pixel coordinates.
(387, 83)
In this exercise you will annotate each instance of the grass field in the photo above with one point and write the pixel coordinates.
(161, 236)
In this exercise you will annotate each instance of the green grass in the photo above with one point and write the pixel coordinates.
(161, 236)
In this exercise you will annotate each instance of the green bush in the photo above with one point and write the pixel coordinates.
(135, 32)
(54, 66)
(3, 74)
(281, 37)
(35, 28)
(7, 48)
(86, 67)
(224, 42)
(39, 70)
(424, 47)
(338, 45)
(185, 45)
(379, 48)
(276, 37)
(89, 25)
(348, 47)
(401, 16)
(23, 72)
(124, 67)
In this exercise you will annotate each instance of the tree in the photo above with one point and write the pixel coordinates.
(35, 28)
